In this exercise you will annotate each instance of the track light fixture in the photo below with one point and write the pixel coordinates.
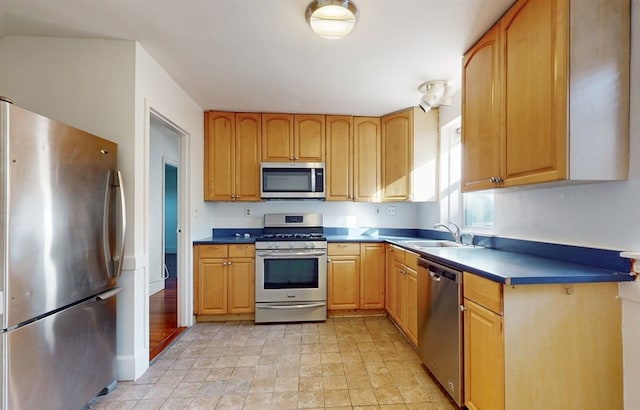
(434, 94)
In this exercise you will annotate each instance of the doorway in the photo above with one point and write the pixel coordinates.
(164, 169)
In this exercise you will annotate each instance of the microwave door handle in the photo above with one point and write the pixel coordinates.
(313, 180)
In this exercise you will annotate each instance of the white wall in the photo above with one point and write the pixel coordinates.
(108, 87)
(156, 91)
(357, 215)
(601, 215)
(88, 84)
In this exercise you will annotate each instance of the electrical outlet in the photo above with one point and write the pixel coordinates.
(391, 210)
(247, 211)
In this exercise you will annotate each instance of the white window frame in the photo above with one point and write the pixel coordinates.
(452, 201)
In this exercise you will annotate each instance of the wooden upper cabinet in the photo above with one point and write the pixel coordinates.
(308, 137)
(289, 137)
(219, 156)
(277, 137)
(366, 159)
(397, 151)
(339, 164)
(559, 121)
(247, 156)
(410, 155)
(481, 109)
(232, 156)
(535, 36)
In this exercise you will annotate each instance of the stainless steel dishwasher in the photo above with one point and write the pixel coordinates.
(440, 324)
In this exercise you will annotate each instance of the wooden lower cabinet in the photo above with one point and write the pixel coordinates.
(484, 358)
(402, 288)
(343, 281)
(355, 276)
(224, 279)
(548, 346)
(372, 276)
(241, 285)
(410, 298)
(389, 281)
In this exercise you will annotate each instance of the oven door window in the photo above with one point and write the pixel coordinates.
(295, 273)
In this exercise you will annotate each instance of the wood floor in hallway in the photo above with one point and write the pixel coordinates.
(163, 318)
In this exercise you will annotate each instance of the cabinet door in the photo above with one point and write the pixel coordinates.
(343, 282)
(410, 295)
(219, 147)
(366, 159)
(372, 280)
(535, 92)
(241, 285)
(213, 286)
(397, 154)
(277, 137)
(399, 289)
(483, 358)
(247, 156)
(339, 164)
(481, 141)
(309, 136)
(390, 281)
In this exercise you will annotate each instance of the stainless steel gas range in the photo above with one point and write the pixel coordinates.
(291, 269)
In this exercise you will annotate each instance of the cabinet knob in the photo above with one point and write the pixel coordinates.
(495, 180)
(462, 308)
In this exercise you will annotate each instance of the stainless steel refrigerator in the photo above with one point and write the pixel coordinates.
(61, 241)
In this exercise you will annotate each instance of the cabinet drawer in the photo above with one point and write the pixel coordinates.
(484, 292)
(397, 253)
(343, 249)
(244, 250)
(212, 251)
(411, 260)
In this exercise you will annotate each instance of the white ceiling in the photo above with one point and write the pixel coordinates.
(260, 55)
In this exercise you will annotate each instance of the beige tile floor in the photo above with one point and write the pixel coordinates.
(343, 363)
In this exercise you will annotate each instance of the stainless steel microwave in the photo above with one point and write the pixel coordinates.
(292, 180)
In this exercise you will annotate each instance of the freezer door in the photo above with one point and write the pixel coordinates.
(63, 360)
(58, 230)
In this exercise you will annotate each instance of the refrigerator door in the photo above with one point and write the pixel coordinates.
(58, 182)
(63, 360)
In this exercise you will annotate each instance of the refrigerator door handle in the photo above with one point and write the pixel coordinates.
(123, 224)
(114, 263)
(108, 294)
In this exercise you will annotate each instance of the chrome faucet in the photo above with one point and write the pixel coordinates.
(455, 233)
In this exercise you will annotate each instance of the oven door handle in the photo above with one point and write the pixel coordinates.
(310, 305)
(289, 254)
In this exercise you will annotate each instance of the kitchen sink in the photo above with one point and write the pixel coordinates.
(432, 244)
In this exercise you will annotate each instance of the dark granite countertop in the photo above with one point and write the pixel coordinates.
(510, 268)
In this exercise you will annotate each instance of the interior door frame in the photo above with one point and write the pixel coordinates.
(176, 164)
(185, 293)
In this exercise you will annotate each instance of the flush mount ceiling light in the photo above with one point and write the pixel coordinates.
(332, 19)
(434, 94)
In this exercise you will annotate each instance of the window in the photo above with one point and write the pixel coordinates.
(473, 210)
(478, 210)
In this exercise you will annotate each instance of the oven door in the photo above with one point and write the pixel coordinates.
(295, 275)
